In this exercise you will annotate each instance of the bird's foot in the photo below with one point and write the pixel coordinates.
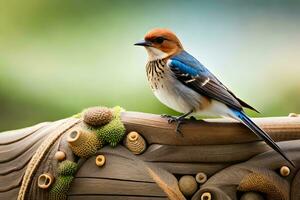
(179, 120)
(170, 118)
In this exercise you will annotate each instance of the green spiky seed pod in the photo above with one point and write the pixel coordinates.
(67, 168)
(83, 143)
(113, 132)
(60, 189)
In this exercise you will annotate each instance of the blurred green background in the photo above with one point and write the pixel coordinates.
(58, 57)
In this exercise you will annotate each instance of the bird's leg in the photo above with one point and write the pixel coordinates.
(178, 119)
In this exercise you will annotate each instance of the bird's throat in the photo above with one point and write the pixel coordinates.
(155, 54)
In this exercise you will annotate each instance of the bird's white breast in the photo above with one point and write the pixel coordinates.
(155, 54)
(174, 94)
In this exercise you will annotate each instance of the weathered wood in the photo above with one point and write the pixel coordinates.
(122, 165)
(116, 167)
(114, 187)
(224, 150)
(11, 194)
(14, 156)
(213, 131)
(226, 182)
(295, 192)
(114, 197)
(209, 153)
(40, 154)
(191, 168)
(166, 181)
(9, 137)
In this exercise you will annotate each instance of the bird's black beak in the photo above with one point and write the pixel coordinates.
(144, 43)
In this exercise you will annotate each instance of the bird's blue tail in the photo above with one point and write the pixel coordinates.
(260, 133)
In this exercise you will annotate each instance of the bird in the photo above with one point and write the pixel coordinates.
(182, 83)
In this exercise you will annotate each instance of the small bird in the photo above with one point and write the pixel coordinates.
(182, 83)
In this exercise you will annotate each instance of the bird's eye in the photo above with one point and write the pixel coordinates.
(159, 40)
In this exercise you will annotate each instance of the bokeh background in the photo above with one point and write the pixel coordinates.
(58, 57)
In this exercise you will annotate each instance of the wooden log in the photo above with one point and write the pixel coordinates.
(191, 168)
(263, 172)
(115, 197)
(203, 153)
(295, 192)
(211, 131)
(224, 150)
(114, 187)
(116, 167)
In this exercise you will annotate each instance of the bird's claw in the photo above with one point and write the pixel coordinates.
(167, 116)
(171, 119)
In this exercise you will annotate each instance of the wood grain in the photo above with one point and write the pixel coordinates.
(114, 197)
(203, 153)
(191, 168)
(223, 149)
(295, 192)
(116, 167)
(211, 131)
(114, 187)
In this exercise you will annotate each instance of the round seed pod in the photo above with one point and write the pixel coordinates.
(67, 168)
(206, 196)
(135, 143)
(45, 180)
(113, 132)
(100, 160)
(97, 116)
(285, 171)
(251, 196)
(201, 177)
(83, 143)
(60, 189)
(60, 155)
(187, 185)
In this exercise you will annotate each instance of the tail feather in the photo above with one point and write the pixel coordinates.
(260, 133)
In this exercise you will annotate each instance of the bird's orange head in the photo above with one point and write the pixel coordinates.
(161, 43)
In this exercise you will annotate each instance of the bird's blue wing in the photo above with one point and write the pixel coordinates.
(194, 75)
(188, 62)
